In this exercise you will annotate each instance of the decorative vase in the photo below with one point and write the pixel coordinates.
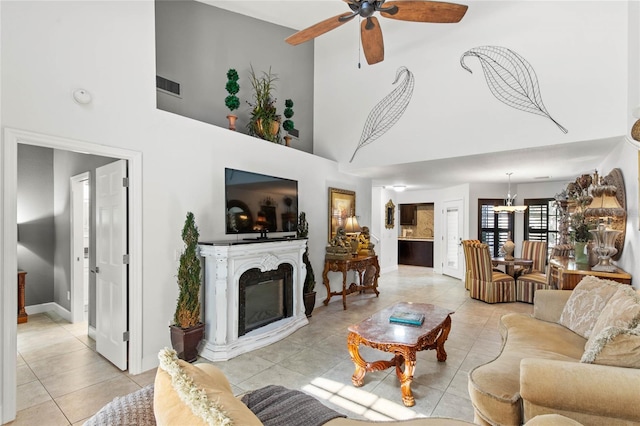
(185, 341)
(232, 121)
(267, 133)
(508, 249)
(581, 255)
(309, 302)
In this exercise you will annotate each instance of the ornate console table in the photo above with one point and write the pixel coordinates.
(358, 264)
(566, 273)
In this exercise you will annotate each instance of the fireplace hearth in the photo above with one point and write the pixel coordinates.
(253, 295)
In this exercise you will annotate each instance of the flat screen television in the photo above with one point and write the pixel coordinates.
(256, 203)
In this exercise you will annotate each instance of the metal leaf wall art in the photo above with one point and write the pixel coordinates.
(388, 111)
(511, 79)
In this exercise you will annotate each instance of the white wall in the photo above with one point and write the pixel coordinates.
(578, 50)
(108, 49)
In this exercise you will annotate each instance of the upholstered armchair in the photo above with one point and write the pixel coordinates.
(467, 261)
(484, 283)
(536, 277)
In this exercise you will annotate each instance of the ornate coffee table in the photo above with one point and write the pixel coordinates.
(404, 341)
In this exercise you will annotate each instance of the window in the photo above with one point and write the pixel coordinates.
(541, 221)
(493, 229)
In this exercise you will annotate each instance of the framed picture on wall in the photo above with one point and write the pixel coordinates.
(342, 204)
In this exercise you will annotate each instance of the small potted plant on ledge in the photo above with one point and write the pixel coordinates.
(187, 330)
(288, 124)
(308, 293)
(265, 121)
(232, 102)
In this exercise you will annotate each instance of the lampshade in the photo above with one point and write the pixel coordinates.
(352, 226)
(605, 203)
(508, 206)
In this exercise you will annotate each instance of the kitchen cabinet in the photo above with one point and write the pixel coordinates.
(415, 252)
(408, 214)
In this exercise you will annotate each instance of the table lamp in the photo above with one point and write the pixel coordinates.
(604, 206)
(352, 229)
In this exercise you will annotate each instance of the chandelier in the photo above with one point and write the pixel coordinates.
(508, 206)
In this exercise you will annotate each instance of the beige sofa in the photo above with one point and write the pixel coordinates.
(578, 355)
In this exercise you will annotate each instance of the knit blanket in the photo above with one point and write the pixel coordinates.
(135, 408)
(279, 406)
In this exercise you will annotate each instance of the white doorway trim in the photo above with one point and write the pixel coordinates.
(452, 237)
(77, 253)
(8, 254)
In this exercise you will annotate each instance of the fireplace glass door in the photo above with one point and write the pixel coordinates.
(265, 297)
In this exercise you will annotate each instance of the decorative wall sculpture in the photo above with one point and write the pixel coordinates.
(388, 111)
(511, 79)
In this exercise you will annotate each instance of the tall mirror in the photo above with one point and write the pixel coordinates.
(389, 215)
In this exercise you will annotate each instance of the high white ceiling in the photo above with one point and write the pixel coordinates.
(551, 163)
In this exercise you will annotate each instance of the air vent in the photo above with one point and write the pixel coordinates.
(167, 85)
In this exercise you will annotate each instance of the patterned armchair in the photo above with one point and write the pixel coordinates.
(484, 283)
(537, 277)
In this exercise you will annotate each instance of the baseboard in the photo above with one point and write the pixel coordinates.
(48, 307)
(92, 332)
(389, 269)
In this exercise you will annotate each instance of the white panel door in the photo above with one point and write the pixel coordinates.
(111, 271)
(452, 238)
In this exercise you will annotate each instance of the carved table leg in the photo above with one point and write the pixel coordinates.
(440, 352)
(362, 366)
(406, 376)
(325, 280)
(344, 289)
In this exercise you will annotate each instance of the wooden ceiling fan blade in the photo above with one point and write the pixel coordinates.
(372, 43)
(425, 11)
(318, 29)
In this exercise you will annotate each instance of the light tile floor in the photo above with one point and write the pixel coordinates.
(61, 380)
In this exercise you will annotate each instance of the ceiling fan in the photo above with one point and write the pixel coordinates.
(371, 34)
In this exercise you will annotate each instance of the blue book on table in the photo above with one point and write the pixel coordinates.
(407, 317)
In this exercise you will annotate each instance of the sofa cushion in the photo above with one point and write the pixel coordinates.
(588, 299)
(615, 346)
(196, 395)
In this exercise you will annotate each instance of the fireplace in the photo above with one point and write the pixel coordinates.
(252, 295)
(265, 297)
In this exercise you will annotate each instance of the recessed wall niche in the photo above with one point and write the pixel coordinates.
(196, 44)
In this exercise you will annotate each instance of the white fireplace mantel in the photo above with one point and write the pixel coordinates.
(225, 262)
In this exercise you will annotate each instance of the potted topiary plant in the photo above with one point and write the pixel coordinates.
(232, 102)
(288, 124)
(264, 121)
(187, 330)
(308, 293)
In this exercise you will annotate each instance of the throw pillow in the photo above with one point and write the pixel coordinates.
(583, 308)
(196, 395)
(276, 406)
(615, 346)
(622, 310)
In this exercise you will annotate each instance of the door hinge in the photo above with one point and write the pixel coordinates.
(125, 336)
(125, 259)
(97, 269)
(125, 182)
